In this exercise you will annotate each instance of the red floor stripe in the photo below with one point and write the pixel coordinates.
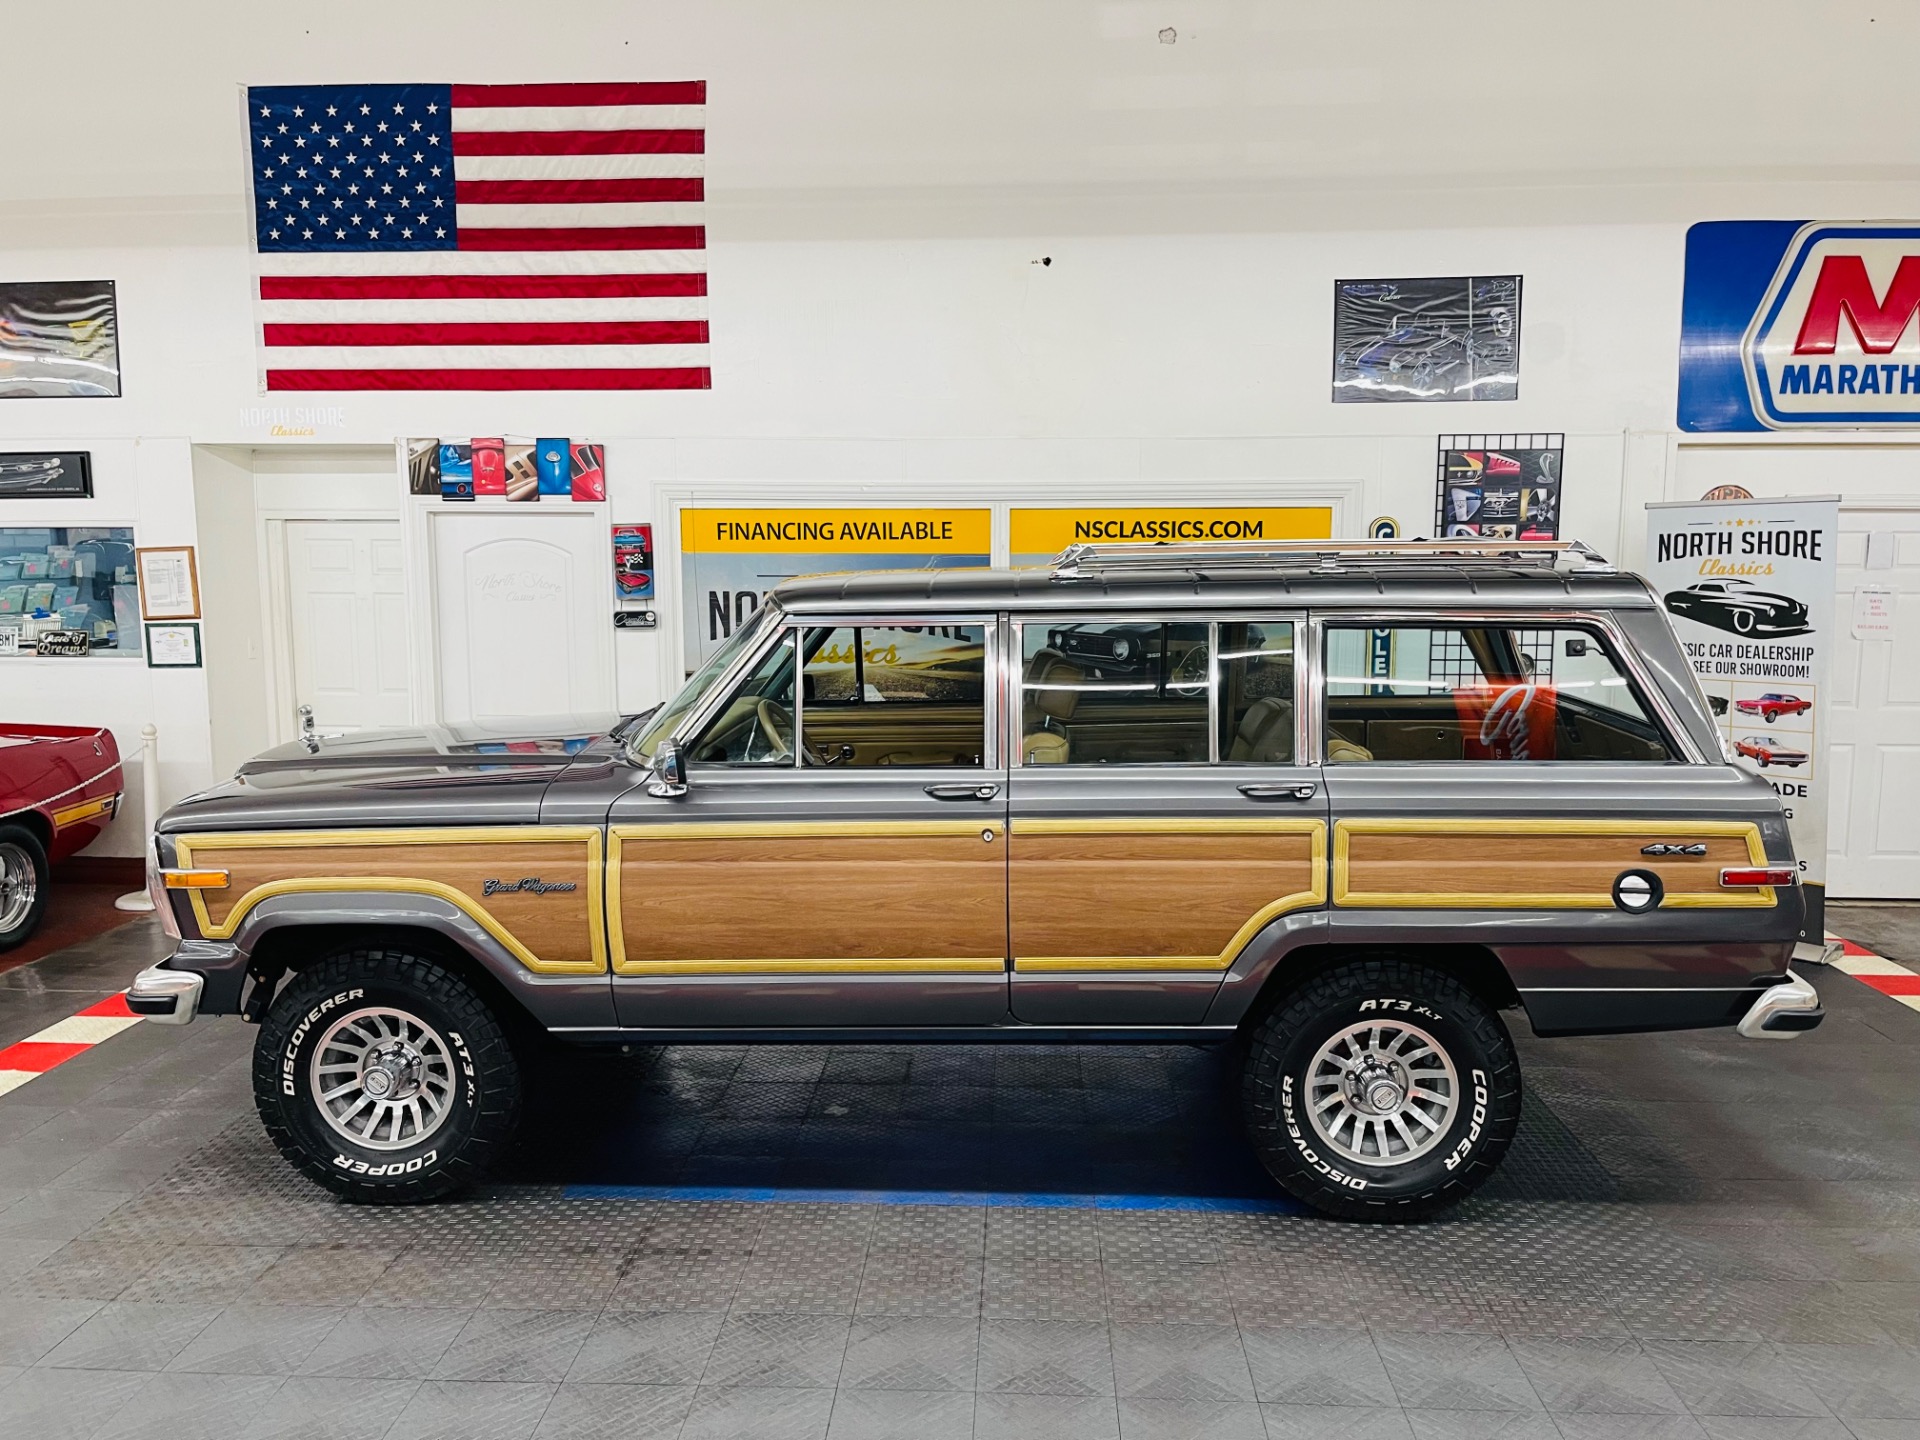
(1892, 984)
(115, 1004)
(38, 1055)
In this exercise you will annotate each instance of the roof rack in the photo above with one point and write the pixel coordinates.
(1561, 556)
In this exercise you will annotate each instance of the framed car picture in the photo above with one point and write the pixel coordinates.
(59, 339)
(169, 584)
(1429, 338)
(56, 475)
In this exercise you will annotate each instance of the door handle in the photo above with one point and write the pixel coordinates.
(1300, 790)
(963, 792)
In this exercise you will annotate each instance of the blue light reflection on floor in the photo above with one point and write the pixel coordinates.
(991, 1199)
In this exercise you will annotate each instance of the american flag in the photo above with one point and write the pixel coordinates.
(480, 237)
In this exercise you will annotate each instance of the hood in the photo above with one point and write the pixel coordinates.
(465, 774)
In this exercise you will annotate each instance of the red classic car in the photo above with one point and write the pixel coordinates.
(59, 786)
(1767, 751)
(1771, 706)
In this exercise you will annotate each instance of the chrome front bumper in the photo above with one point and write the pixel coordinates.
(1784, 1011)
(166, 997)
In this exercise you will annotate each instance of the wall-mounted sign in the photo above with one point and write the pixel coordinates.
(731, 557)
(1749, 584)
(63, 642)
(169, 583)
(1792, 323)
(1383, 527)
(1499, 487)
(58, 475)
(59, 338)
(1037, 536)
(633, 562)
(1438, 338)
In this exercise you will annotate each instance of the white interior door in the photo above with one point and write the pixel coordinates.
(347, 622)
(1874, 757)
(524, 613)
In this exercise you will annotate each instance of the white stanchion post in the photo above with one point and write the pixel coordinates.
(140, 901)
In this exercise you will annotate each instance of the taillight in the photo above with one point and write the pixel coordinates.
(1752, 877)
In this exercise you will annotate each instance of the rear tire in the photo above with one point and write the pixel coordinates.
(1381, 1090)
(385, 1077)
(23, 884)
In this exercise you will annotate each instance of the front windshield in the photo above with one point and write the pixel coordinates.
(668, 717)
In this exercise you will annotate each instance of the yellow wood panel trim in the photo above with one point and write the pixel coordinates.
(348, 884)
(962, 965)
(618, 835)
(74, 814)
(1175, 825)
(1344, 894)
(1256, 922)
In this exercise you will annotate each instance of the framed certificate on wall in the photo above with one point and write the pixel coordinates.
(171, 646)
(169, 584)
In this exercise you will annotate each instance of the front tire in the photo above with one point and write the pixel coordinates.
(23, 884)
(1381, 1090)
(385, 1077)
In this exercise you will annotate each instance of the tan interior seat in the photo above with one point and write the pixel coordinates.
(1345, 751)
(1050, 695)
(1265, 734)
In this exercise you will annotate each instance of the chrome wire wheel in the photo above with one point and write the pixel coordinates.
(382, 1078)
(1382, 1093)
(19, 886)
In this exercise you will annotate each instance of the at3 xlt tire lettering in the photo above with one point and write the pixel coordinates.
(1388, 991)
(484, 1104)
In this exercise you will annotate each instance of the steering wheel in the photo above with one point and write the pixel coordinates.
(775, 722)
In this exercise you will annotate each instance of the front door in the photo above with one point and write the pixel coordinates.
(839, 858)
(348, 622)
(1161, 817)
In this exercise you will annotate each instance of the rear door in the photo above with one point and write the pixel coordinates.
(839, 858)
(1513, 782)
(1161, 817)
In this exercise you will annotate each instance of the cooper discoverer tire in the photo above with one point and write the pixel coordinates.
(385, 1077)
(1381, 1090)
(23, 884)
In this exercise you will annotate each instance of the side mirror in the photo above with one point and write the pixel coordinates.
(669, 778)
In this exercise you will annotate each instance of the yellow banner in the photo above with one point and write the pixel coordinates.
(1047, 532)
(900, 530)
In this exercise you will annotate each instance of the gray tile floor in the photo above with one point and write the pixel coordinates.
(1696, 1236)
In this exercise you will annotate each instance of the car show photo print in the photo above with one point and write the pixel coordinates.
(1455, 338)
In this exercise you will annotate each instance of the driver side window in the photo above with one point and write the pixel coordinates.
(755, 726)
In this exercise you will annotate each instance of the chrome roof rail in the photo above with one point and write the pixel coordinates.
(1560, 556)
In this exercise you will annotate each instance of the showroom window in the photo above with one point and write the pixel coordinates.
(1147, 692)
(1513, 692)
(69, 578)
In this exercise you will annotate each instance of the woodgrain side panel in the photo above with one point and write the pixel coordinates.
(545, 903)
(1135, 897)
(755, 900)
(1533, 865)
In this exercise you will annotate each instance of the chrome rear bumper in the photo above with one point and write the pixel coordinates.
(1784, 1011)
(166, 997)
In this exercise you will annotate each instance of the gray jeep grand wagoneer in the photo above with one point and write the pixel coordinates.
(1337, 805)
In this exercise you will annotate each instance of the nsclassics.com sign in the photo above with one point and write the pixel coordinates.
(1749, 585)
(1789, 323)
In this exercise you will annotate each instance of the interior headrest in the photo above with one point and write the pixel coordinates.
(1051, 684)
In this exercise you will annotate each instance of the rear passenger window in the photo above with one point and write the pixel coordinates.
(1440, 693)
(1150, 691)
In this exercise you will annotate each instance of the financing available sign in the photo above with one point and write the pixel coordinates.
(1749, 585)
(1789, 323)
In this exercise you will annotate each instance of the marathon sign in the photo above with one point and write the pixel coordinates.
(1789, 324)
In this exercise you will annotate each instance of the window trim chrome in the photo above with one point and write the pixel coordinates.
(1621, 650)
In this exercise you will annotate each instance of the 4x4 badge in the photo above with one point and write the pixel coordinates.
(1660, 848)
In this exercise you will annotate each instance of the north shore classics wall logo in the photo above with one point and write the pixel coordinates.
(1800, 323)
